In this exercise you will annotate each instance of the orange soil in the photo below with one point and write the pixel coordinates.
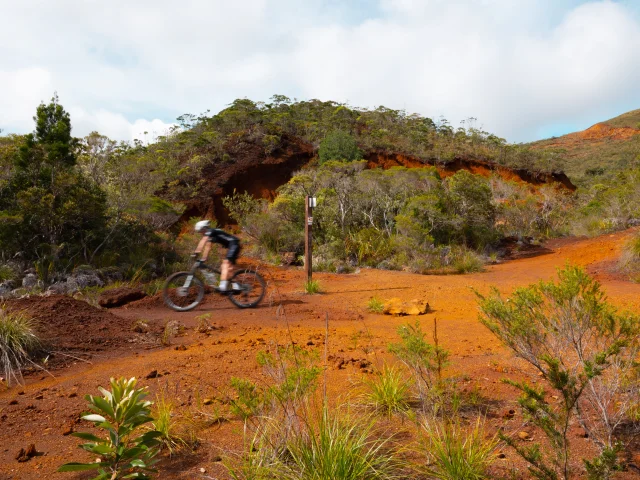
(48, 406)
(596, 134)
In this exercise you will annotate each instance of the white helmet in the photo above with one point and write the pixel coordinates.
(202, 225)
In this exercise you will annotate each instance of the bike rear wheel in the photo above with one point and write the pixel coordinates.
(183, 291)
(251, 291)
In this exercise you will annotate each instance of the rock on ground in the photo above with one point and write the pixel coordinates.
(396, 306)
(118, 297)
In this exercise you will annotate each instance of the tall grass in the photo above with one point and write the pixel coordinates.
(388, 392)
(458, 453)
(629, 262)
(177, 431)
(339, 447)
(17, 341)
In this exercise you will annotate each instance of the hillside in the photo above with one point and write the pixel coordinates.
(256, 147)
(598, 153)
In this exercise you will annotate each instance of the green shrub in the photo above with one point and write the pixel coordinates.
(18, 341)
(6, 273)
(468, 262)
(311, 287)
(339, 145)
(583, 348)
(388, 391)
(424, 360)
(250, 398)
(124, 452)
(375, 305)
(458, 453)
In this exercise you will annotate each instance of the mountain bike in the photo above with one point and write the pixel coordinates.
(183, 291)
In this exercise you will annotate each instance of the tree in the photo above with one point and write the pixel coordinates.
(339, 145)
(48, 207)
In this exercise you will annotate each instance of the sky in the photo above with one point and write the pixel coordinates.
(526, 69)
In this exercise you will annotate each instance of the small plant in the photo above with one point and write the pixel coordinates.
(375, 305)
(249, 398)
(312, 287)
(424, 360)
(176, 431)
(468, 262)
(171, 329)
(389, 392)
(458, 453)
(203, 323)
(124, 452)
(17, 341)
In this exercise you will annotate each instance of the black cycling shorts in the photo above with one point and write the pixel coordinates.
(228, 241)
(233, 252)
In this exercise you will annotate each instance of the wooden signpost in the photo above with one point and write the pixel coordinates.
(308, 227)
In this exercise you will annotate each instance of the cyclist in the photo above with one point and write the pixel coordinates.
(231, 243)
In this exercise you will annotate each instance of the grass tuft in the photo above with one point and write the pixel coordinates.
(177, 432)
(468, 262)
(388, 392)
(629, 262)
(312, 287)
(17, 341)
(375, 305)
(459, 453)
(337, 447)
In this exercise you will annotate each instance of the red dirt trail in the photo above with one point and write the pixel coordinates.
(46, 407)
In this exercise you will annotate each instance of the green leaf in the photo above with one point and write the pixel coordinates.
(103, 405)
(98, 449)
(77, 467)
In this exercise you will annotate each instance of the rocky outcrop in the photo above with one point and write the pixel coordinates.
(261, 174)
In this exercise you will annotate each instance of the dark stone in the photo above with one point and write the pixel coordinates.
(117, 297)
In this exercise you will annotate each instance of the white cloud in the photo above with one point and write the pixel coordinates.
(517, 65)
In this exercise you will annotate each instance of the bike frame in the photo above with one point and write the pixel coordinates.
(194, 269)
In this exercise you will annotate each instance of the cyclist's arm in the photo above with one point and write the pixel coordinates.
(204, 246)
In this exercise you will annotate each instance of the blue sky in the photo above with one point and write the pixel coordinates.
(526, 69)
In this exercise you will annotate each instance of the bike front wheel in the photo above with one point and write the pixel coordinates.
(183, 291)
(251, 289)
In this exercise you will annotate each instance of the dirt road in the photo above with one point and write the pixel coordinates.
(198, 366)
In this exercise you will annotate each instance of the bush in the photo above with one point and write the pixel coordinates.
(124, 452)
(583, 348)
(457, 453)
(18, 341)
(467, 262)
(6, 273)
(339, 145)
